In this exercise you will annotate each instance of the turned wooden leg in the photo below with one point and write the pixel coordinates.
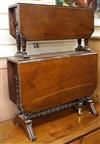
(18, 42)
(91, 105)
(79, 47)
(86, 45)
(27, 126)
(23, 44)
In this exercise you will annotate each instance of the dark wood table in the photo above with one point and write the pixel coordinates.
(30, 22)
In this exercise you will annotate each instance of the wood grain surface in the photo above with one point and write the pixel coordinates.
(47, 82)
(51, 82)
(39, 22)
(62, 130)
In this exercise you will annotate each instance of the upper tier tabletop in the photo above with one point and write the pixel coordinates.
(50, 22)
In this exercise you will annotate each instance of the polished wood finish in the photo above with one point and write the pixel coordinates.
(31, 22)
(67, 128)
(93, 138)
(49, 81)
(39, 22)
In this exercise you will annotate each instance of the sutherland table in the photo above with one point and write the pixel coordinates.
(48, 83)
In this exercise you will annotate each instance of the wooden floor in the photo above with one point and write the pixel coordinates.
(63, 129)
